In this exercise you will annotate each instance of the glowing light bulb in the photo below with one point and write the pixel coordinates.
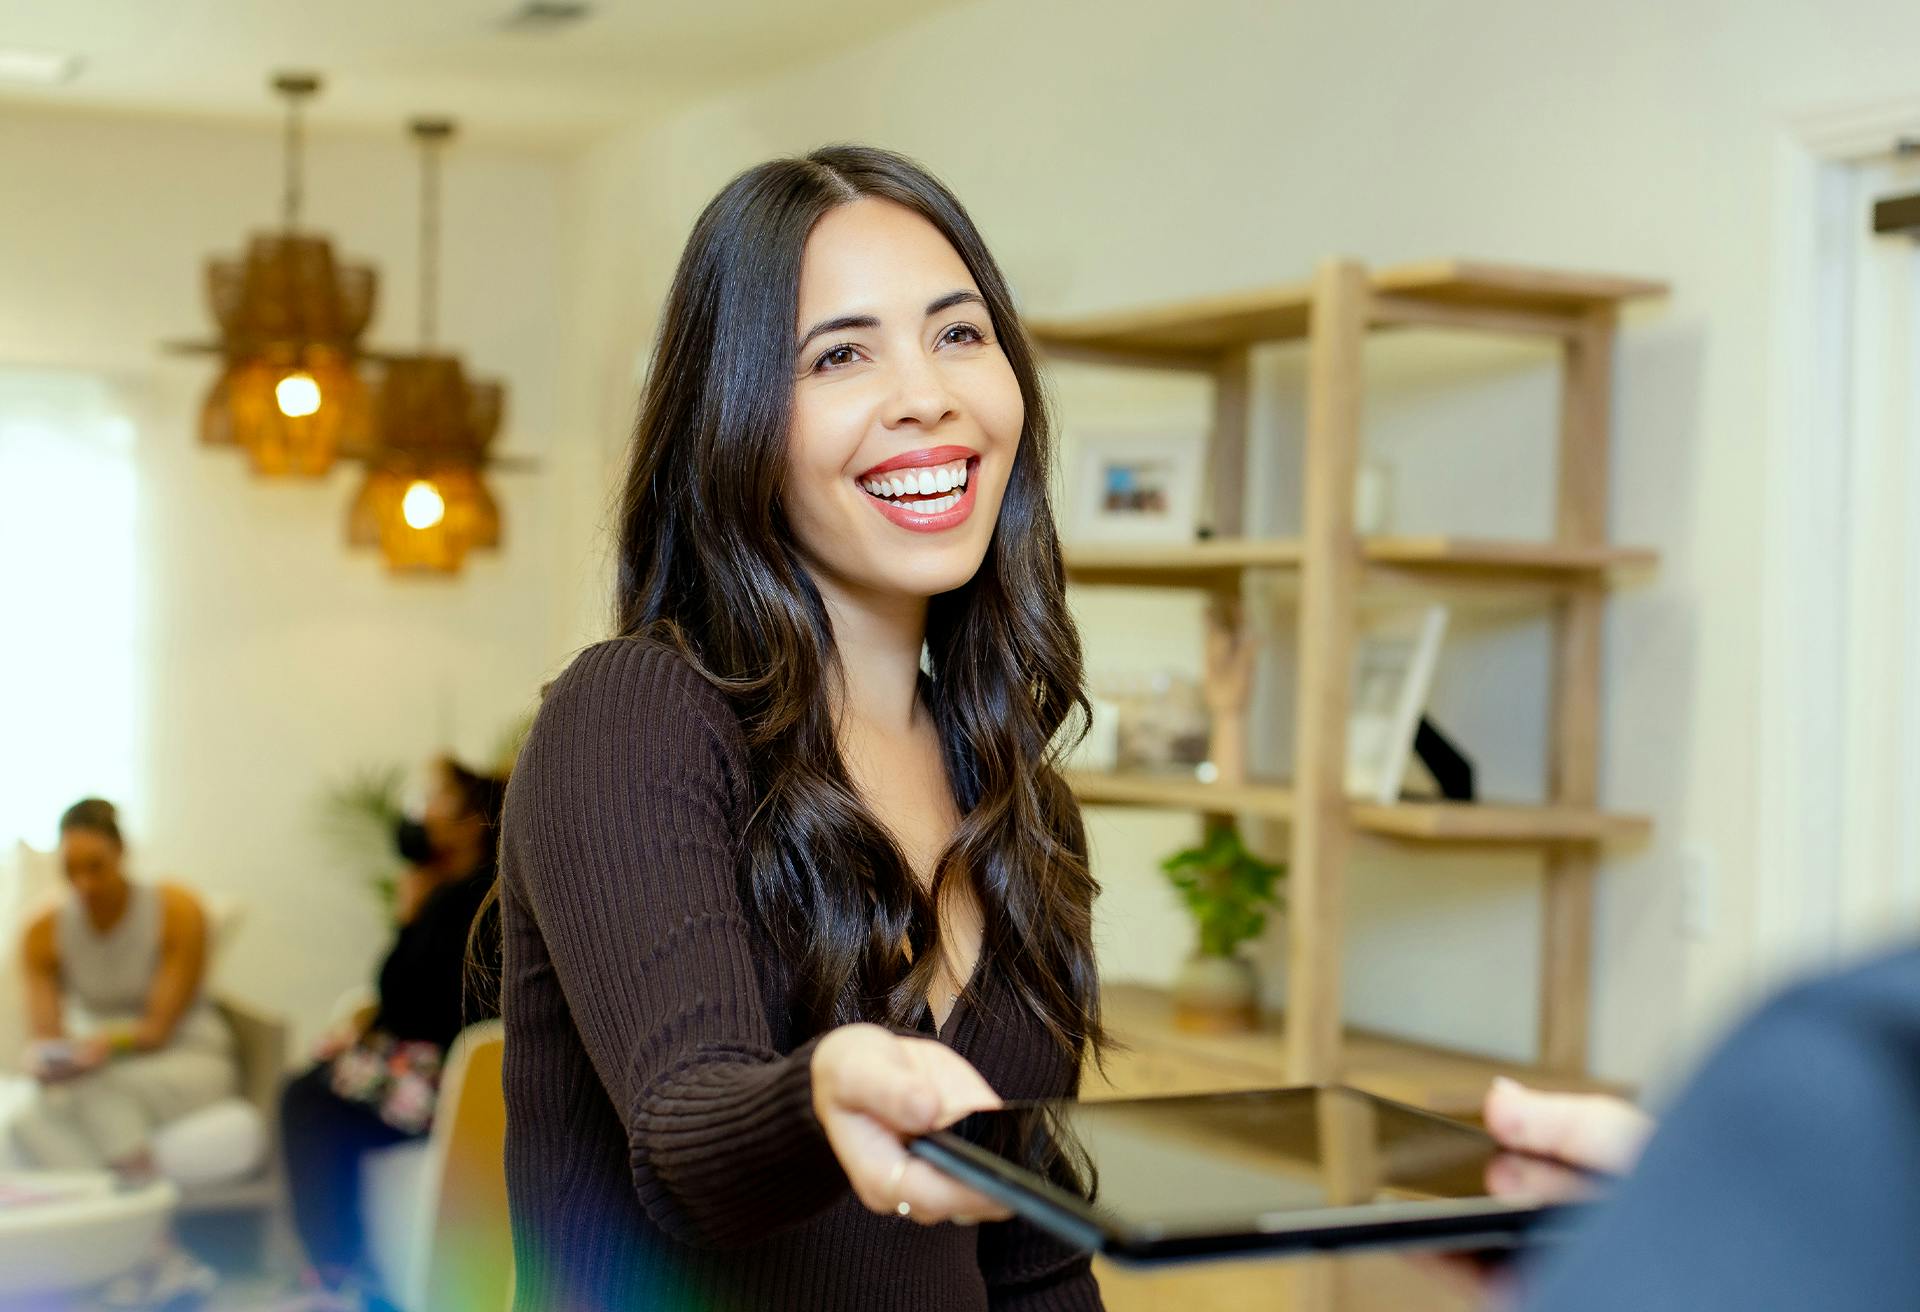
(422, 506)
(298, 395)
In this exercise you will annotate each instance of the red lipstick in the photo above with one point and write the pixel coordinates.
(937, 455)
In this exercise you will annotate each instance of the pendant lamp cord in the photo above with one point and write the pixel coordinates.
(294, 145)
(429, 240)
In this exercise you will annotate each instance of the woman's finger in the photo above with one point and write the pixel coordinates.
(933, 1197)
(961, 1089)
(870, 1071)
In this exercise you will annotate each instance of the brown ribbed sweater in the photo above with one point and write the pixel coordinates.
(662, 1151)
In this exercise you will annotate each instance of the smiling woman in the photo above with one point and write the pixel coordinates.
(788, 875)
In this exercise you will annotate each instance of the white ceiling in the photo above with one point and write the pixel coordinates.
(386, 60)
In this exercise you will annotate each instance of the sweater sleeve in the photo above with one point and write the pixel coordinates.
(620, 835)
(1029, 1270)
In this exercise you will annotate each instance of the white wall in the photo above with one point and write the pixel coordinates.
(1135, 152)
(1113, 155)
(273, 661)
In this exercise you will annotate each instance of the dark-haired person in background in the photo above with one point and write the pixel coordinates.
(775, 897)
(375, 1086)
(149, 1048)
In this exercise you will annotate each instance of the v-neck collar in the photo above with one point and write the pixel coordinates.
(949, 1032)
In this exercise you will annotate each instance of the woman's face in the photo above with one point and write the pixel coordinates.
(448, 822)
(91, 861)
(906, 418)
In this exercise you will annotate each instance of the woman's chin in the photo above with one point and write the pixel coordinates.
(927, 577)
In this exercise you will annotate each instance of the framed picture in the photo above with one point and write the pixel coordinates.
(1136, 487)
(1392, 675)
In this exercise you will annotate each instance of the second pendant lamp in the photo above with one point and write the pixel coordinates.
(424, 502)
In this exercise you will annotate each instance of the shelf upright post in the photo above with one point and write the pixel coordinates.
(1573, 748)
(1329, 577)
(1226, 490)
(1225, 517)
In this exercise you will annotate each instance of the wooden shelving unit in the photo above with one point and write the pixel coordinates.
(1160, 1059)
(1217, 564)
(1330, 566)
(1475, 823)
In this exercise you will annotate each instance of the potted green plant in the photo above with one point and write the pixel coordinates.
(358, 815)
(1228, 891)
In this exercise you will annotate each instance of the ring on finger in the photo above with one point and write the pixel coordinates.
(901, 1206)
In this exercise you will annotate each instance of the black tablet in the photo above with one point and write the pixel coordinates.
(1273, 1171)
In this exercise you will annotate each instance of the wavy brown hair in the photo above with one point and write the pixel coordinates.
(708, 563)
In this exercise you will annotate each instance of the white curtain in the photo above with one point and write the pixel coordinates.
(69, 621)
(1840, 772)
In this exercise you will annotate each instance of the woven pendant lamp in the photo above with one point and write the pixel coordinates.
(291, 316)
(424, 501)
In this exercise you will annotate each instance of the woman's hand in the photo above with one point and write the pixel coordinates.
(872, 1091)
(50, 1064)
(336, 1040)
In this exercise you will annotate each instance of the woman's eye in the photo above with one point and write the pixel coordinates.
(828, 358)
(962, 328)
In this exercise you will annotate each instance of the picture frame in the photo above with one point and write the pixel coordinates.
(1393, 666)
(1136, 488)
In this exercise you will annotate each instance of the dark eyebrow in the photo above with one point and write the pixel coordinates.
(946, 302)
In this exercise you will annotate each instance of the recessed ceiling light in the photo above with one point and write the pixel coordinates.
(43, 67)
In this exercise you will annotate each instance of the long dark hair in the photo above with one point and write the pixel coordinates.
(709, 564)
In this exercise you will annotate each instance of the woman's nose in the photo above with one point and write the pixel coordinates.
(920, 395)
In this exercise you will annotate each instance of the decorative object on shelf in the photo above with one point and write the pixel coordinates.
(424, 501)
(1161, 722)
(1100, 748)
(1372, 498)
(290, 317)
(1231, 647)
(1228, 892)
(1445, 763)
(1136, 487)
(1393, 672)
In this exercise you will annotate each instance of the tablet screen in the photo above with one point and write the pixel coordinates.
(1160, 1168)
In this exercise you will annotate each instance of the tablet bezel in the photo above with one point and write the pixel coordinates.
(1453, 1223)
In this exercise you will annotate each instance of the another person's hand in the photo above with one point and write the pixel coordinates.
(873, 1090)
(1594, 1131)
(1556, 1138)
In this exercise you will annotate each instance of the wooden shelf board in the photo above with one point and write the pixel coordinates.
(1215, 564)
(1216, 324)
(1432, 822)
(1164, 1060)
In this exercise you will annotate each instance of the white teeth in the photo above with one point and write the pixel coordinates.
(921, 482)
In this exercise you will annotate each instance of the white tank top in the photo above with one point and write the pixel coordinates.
(108, 976)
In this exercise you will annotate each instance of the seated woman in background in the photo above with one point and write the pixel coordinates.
(148, 1047)
(375, 1085)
